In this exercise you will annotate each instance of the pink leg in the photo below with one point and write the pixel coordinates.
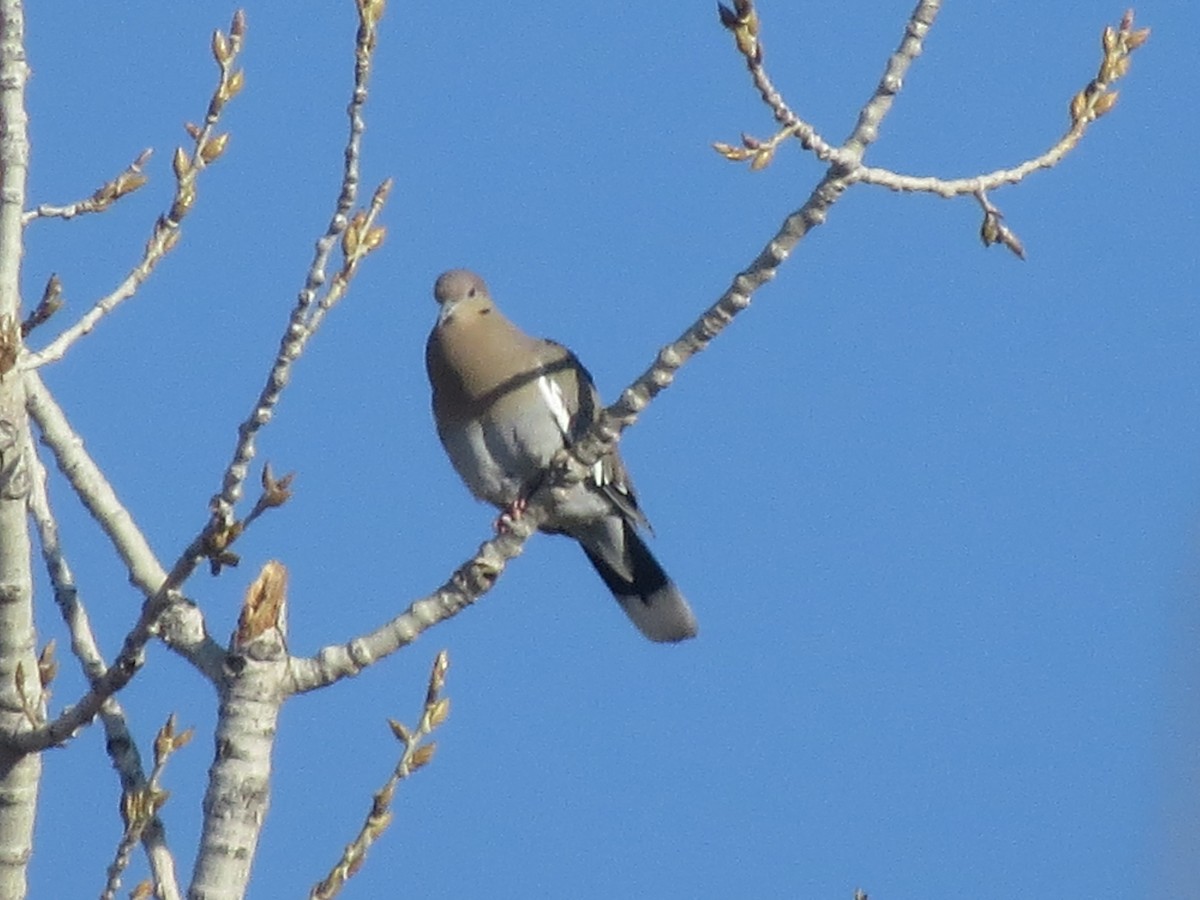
(510, 514)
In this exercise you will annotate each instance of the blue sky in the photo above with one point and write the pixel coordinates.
(938, 510)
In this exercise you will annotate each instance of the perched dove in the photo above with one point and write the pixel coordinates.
(504, 404)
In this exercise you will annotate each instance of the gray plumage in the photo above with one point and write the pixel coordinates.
(504, 404)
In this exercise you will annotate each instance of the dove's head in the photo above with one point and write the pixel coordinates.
(460, 289)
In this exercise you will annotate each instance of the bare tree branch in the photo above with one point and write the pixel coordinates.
(118, 742)
(1088, 105)
(416, 755)
(742, 21)
(207, 147)
(470, 581)
(165, 613)
(139, 810)
(89, 483)
(104, 197)
(1095, 100)
(306, 318)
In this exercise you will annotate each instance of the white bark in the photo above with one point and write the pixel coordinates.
(20, 687)
(239, 780)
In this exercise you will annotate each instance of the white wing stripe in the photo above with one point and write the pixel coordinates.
(553, 397)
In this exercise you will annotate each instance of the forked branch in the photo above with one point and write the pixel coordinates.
(206, 147)
(358, 235)
(1095, 100)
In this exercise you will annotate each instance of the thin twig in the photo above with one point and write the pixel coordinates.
(104, 681)
(993, 230)
(742, 21)
(311, 305)
(66, 595)
(207, 147)
(1093, 101)
(104, 197)
(416, 755)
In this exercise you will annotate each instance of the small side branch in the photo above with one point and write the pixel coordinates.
(104, 197)
(1095, 100)
(994, 231)
(743, 23)
(71, 608)
(207, 147)
(358, 236)
(416, 755)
